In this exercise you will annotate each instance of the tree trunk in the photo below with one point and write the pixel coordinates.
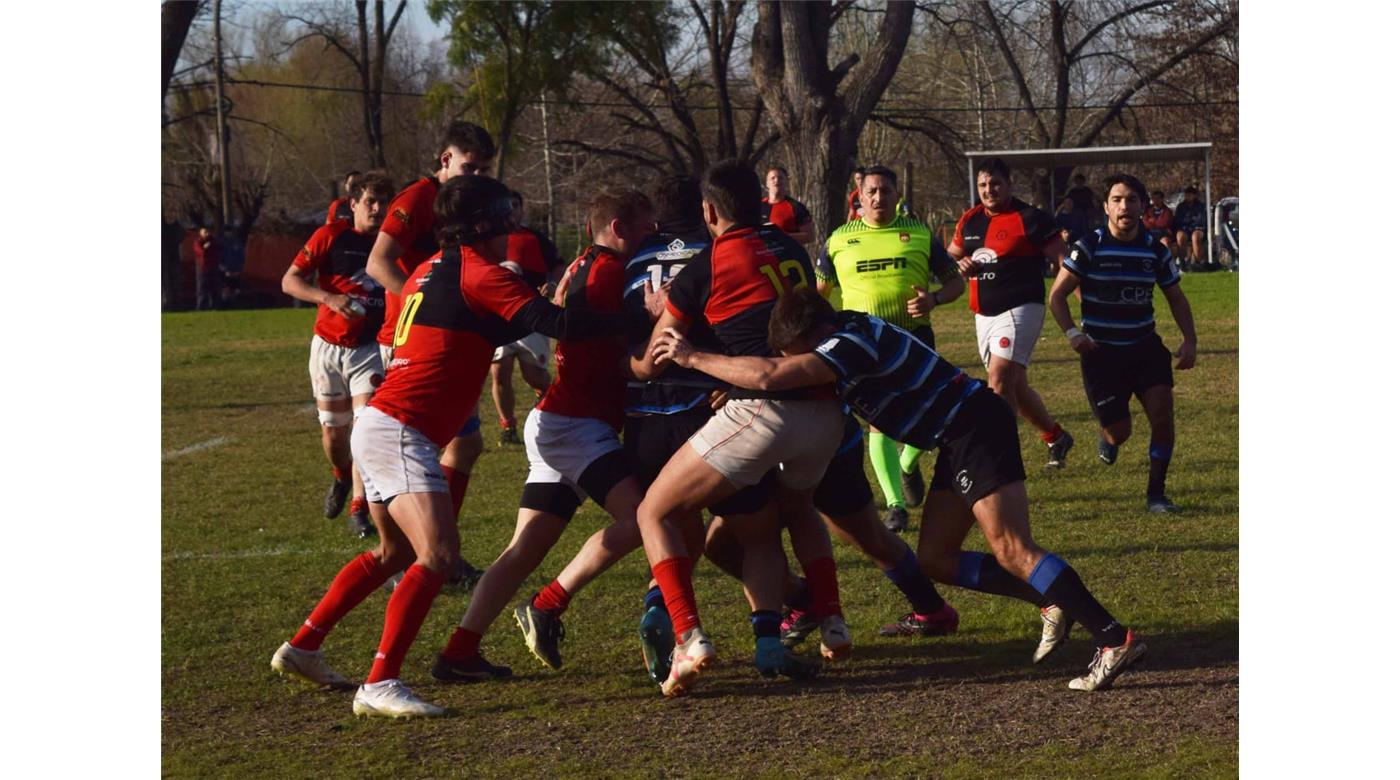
(820, 110)
(175, 19)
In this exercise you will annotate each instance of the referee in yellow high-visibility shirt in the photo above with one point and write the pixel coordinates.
(881, 264)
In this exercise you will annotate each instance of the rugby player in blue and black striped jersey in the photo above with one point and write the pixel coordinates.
(904, 388)
(1120, 353)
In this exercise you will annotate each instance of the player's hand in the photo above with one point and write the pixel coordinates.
(922, 303)
(672, 346)
(718, 398)
(340, 304)
(561, 292)
(967, 266)
(655, 300)
(1186, 356)
(1083, 344)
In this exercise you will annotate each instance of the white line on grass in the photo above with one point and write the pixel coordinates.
(233, 556)
(193, 448)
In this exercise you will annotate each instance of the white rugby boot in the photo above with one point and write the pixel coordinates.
(309, 665)
(392, 699)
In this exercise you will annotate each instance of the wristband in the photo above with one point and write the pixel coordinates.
(1073, 333)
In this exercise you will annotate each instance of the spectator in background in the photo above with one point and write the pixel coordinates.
(1085, 203)
(231, 259)
(208, 276)
(788, 214)
(340, 207)
(853, 207)
(1190, 226)
(1157, 218)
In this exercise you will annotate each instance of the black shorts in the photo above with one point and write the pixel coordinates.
(980, 450)
(1112, 375)
(844, 489)
(650, 440)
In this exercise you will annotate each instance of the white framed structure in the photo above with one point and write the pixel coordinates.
(1021, 159)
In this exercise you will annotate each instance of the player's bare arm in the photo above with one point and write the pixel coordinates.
(1181, 312)
(753, 373)
(296, 284)
(383, 264)
(806, 233)
(1066, 283)
(824, 287)
(647, 366)
(925, 300)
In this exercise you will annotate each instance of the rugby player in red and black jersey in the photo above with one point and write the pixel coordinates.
(732, 287)
(458, 307)
(345, 365)
(780, 209)
(571, 438)
(340, 207)
(1001, 246)
(405, 240)
(533, 256)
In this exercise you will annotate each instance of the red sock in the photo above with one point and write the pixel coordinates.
(340, 475)
(553, 598)
(357, 580)
(463, 646)
(673, 576)
(821, 581)
(457, 486)
(407, 610)
(1050, 437)
(358, 504)
(508, 423)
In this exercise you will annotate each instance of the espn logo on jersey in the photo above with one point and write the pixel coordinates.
(862, 266)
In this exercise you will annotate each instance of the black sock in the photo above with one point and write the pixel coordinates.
(909, 578)
(1160, 457)
(1062, 586)
(981, 572)
(800, 599)
(766, 623)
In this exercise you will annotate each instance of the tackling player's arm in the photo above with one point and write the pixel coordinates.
(296, 282)
(753, 373)
(1181, 312)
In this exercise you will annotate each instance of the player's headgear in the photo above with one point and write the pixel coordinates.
(469, 209)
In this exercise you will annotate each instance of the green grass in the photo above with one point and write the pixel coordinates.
(246, 554)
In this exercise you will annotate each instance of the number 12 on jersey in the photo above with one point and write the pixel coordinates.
(786, 270)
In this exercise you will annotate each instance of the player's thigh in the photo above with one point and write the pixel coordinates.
(426, 520)
(685, 484)
(804, 437)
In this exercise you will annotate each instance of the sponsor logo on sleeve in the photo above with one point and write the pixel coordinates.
(400, 214)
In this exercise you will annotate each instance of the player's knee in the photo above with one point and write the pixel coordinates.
(335, 418)
(1118, 432)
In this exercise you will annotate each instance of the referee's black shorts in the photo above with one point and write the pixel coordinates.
(1113, 375)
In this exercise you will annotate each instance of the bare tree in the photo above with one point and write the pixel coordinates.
(175, 19)
(366, 51)
(821, 109)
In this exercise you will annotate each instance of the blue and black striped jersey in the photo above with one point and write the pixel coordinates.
(1117, 278)
(890, 377)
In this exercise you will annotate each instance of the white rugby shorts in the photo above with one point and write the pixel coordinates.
(534, 349)
(749, 436)
(343, 372)
(560, 448)
(394, 458)
(1010, 335)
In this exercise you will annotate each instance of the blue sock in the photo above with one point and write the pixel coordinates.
(917, 588)
(1160, 457)
(1061, 585)
(654, 598)
(981, 572)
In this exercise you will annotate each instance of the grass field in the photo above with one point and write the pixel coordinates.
(245, 554)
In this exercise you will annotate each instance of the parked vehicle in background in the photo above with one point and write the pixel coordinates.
(1227, 233)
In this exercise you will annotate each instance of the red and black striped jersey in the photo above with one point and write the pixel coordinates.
(1010, 248)
(733, 284)
(789, 215)
(456, 311)
(339, 209)
(409, 221)
(532, 255)
(337, 253)
(588, 380)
